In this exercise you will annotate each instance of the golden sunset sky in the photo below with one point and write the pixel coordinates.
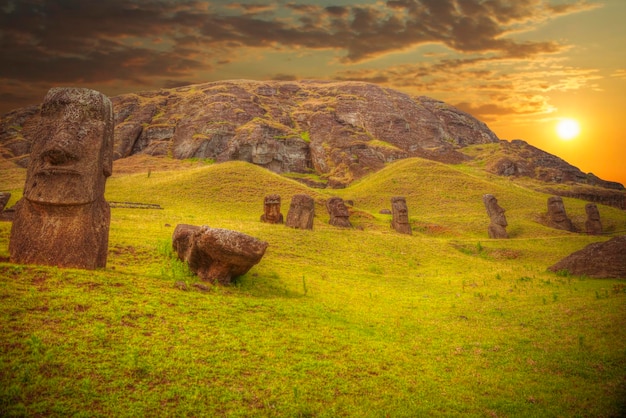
(518, 65)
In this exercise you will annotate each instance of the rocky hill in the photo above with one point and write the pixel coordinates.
(335, 131)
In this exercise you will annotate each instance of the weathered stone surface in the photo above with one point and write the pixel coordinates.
(4, 199)
(271, 210)
(301, 212)
(63, 219)
(338, 211)
(400, 215)
(217, 255)
(593, 225)
(557, 217)
(498, 223)
(599, 260)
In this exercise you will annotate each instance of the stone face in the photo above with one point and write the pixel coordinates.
(599, 260)
(400, 215)
(557, 217)
(217, 255)
(338, 211)
(498, 223)
(301, 212)
(593, 224)
(63, 219)
(271, 210)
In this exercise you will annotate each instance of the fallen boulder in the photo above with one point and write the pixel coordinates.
(599, 260)
(217, 255)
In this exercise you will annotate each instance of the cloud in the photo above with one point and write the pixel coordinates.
(156, 42)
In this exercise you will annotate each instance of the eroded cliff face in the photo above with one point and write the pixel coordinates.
(337, 130)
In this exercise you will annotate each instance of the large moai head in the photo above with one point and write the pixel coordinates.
(63, 219)
(301, 212)
(338, 211)
(271, 210)
(593, 224)
(498, 223)
(72, 148)
(557, 217)
(400, 215)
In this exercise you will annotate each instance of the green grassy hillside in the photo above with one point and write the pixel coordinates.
(331, 322)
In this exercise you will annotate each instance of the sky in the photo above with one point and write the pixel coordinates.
(520, 66)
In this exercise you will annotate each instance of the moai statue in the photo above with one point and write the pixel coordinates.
(271, 209)
(593, 224)
(338, 211)
(62, 219)
(400, 215)
(301, 212)
(557, 218)
(498, 224)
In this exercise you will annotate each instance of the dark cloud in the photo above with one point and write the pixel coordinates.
(137, 42)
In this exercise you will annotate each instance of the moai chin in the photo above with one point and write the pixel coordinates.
(338, 211)
(593, 224)
(301, 212)
(400, 215)
(498, 223)
(271, 210)
(62, 219)
(557, 218)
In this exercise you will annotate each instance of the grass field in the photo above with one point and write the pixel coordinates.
(332, 322)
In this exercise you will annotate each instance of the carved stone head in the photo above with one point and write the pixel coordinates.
(301, 212)
(400, 215)
(71, 153)
(271, 210)
(338, 211)
(495, 211)
(556, 209)
(592, 212)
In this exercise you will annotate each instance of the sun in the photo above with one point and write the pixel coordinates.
(567, 129)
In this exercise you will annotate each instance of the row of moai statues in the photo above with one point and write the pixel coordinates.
(302, 211)
(557, 217)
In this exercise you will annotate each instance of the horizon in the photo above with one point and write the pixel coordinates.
(520, 68)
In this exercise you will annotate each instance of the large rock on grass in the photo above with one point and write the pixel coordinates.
(217, 255)
(599, 260)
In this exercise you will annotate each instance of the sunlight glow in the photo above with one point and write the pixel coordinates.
(567, 129)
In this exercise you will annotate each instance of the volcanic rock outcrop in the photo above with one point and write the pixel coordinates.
(217, 255)
(599, 260)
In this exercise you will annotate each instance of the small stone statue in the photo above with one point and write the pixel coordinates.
(338, 211)
(400, 215)
(557, 218)
(271, 209)
(301, 212)
(498, 224)
(593, 224)
(62, 219)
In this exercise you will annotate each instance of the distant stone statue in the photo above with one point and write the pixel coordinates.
(593, 224)
(557, 218)
(217, 255)
(301, 212)
(63, 219)
(271, 210)
(400, 215)
(338, 211)
(498, 224)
